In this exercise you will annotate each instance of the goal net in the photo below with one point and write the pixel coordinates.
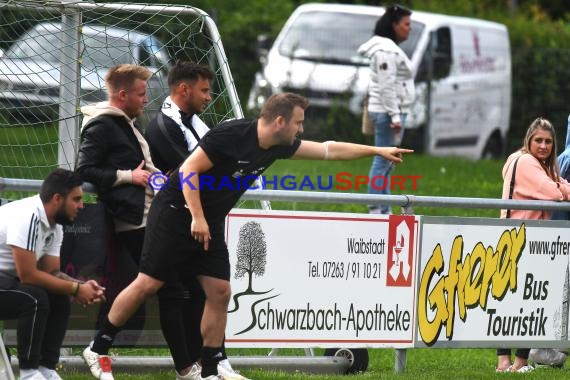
(56, 53)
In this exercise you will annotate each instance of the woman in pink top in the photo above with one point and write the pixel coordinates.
(537, 177)
(538, 174)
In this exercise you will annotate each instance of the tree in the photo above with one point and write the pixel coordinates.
(251, 252)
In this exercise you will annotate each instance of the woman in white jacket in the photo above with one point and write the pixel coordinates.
(390, 91)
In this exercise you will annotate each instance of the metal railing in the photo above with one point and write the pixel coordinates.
(407, 202)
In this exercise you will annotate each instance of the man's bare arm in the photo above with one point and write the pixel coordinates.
(198, 162)
(342, 151)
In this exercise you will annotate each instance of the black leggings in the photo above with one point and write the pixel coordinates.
(520, 352)
(42, 323)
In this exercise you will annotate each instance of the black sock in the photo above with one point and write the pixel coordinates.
(210, 358)
(105, 337)
(224, 354)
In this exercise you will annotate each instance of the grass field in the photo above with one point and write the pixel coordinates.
(440, 177)
(27, 152)
(449, 177)
(425, 364)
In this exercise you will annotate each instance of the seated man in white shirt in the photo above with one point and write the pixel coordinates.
(32, 288)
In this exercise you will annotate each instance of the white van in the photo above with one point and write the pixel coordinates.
(467, 112)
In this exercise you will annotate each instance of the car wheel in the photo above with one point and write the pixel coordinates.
(357, 357)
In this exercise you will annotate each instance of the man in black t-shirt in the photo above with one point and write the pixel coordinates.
(186, 220)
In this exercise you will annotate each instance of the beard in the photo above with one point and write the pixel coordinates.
(285, 139)
(135, 112)
(62, 218)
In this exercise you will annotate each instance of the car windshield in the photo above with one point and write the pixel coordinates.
(36, 45)
(104, 51)
(333, 37)
(98, 50)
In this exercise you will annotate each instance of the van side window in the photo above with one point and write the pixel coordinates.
(442, 53)
(441, 56)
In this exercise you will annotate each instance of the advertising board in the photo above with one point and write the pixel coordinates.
(486, 282)
(321, 279)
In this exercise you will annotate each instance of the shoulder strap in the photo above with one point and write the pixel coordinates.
(512, 186)
(162, 127)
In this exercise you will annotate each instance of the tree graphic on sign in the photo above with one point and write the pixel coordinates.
(251, 260)
(251, 253)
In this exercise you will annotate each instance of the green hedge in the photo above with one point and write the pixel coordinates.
(541, 57)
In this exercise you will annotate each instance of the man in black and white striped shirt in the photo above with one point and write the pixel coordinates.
(32, 288)
(171, 137)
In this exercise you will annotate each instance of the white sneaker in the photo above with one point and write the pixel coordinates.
(226, 371)
(194, 374)
(523, 369)
(31, 374)
(49, 374)
(100, 365)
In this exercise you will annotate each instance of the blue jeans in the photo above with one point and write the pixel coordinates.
(381, 168)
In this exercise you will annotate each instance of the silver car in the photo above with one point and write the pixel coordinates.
(30, 68)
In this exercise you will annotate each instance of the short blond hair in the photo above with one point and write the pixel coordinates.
(123, 77)
(282, 104)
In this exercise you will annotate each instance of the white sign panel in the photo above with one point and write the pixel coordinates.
(489, 281)
(321, 279)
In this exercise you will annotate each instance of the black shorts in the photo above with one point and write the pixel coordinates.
(168, 246)
(183, 285)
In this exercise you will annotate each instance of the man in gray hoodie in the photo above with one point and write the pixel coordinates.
(115, 157)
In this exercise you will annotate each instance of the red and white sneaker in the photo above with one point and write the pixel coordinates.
(100, 365)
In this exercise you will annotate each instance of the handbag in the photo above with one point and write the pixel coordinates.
(512, 185)
(367, 123)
